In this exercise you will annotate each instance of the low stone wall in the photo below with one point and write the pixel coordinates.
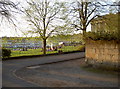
(103, 52)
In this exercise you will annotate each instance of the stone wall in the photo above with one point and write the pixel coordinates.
(103, 52)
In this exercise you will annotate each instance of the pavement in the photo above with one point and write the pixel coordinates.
(9, 68)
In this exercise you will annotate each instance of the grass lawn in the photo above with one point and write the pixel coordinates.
(16, 53)
(25, 53)
(29, 52)
(68, 48)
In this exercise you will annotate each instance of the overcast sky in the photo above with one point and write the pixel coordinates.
(8, 29)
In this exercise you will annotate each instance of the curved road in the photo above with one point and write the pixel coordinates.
(10, 66)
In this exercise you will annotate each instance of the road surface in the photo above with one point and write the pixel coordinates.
(66, 74)
(9, 79)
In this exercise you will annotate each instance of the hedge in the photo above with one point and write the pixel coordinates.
(6, 53)
(102, 35)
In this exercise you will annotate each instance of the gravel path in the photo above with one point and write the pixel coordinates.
(65, 74)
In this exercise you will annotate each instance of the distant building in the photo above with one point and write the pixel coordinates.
(107, 22)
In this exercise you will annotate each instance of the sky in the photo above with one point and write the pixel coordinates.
(10, 30)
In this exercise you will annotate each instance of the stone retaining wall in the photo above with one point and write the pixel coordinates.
(103, 52)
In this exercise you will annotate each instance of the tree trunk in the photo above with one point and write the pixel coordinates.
(44, 46)
(84, 31)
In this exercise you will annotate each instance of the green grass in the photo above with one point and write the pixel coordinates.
(16, 53)
(25, 53)
(29, 52)
(68, 48)
(71, 48)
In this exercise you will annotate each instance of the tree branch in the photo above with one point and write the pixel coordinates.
(91, 20)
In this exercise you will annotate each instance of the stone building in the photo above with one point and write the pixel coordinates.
(109, 22)
(104, 52)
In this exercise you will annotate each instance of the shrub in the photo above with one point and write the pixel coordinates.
(102, 35)
(6, 53)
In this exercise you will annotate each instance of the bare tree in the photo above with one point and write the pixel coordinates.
(44, 16)
(7, 8)
(84, 12)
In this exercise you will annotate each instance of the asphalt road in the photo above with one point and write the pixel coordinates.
(9, 79)
(66, 74)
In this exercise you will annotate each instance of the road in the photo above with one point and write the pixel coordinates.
(66, 74)
(9, 79)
